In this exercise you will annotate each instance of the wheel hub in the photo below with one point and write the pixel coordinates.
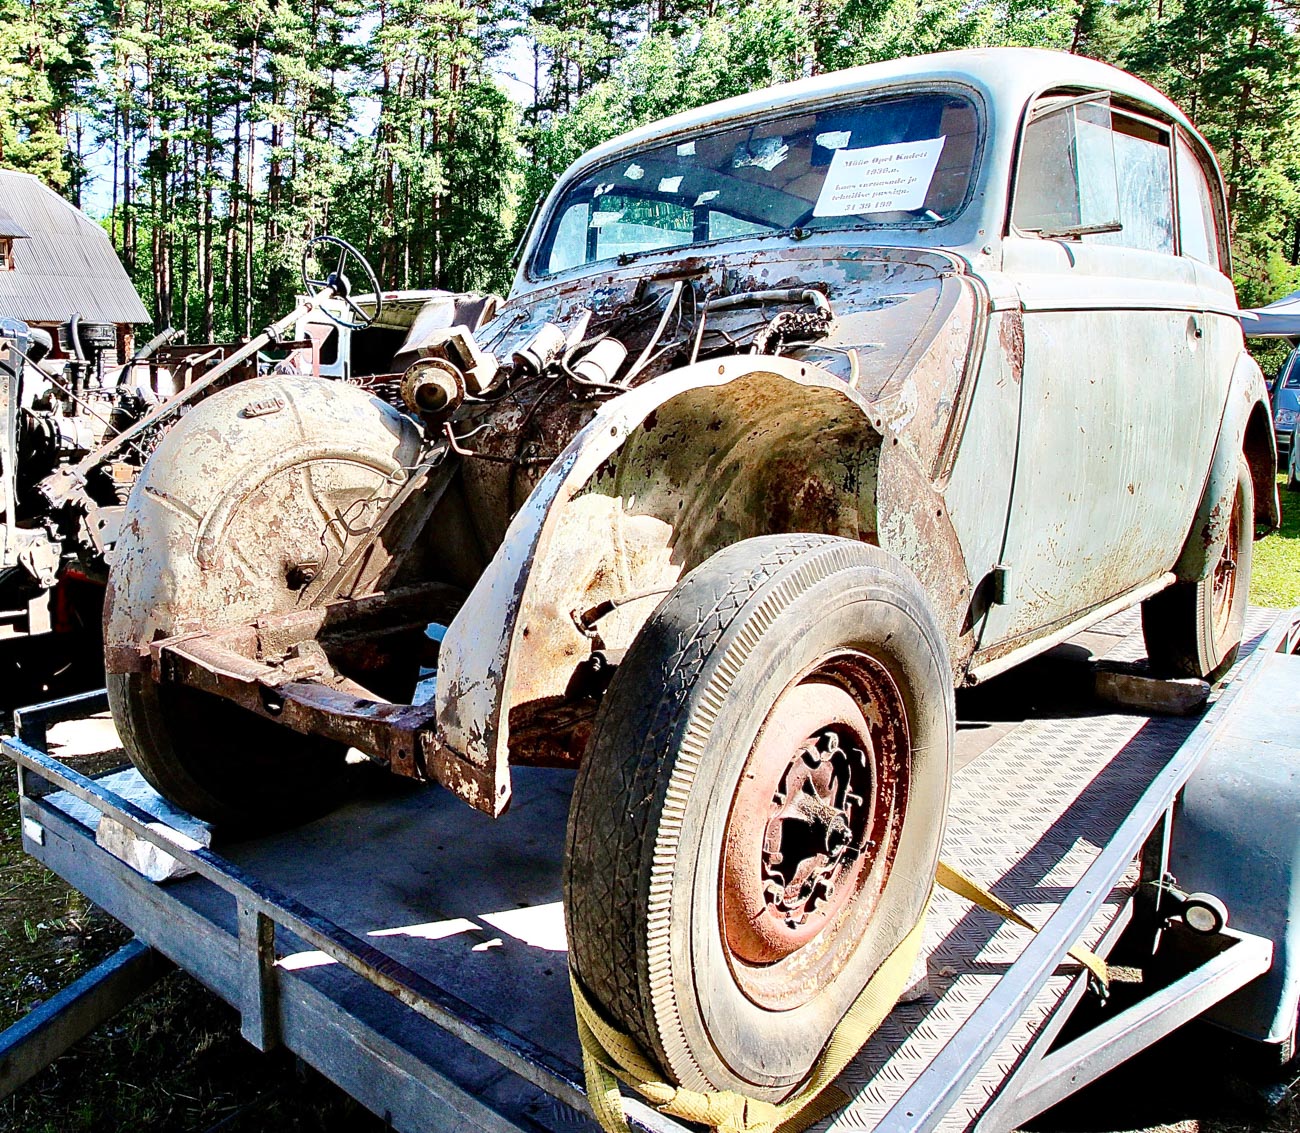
(814, 832)
(802, 823)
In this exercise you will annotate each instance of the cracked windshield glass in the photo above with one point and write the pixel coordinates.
(902, 161)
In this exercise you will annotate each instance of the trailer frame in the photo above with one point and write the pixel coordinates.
(242, 964)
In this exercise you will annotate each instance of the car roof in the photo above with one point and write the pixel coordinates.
(1008, 74)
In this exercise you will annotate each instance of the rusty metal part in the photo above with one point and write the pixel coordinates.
(813, 829)
(586, 620)
(541, 350)
(67, 485)
(797, 832)
(280, 668)
(432, 386)
(372, 561)
(1225, 579)
(663, 477)
(303, 693)
(595, 363)
(788, 326)
(457, 347)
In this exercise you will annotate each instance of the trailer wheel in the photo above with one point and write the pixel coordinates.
(756, 823)
(1193, 629)
(251, 494)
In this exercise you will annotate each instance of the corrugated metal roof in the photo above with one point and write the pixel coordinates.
(10, 227)
(67, 267)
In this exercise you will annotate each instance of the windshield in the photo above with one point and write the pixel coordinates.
(1292, 373)
(903, 160)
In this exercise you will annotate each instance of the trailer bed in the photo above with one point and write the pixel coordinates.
(1047, 789)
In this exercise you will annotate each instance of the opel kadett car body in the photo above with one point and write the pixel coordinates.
(804, 409)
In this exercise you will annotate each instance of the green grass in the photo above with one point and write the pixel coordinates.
(1275, 569)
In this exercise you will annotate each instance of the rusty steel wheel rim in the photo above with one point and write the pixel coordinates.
(1225, 573)
(812, 829)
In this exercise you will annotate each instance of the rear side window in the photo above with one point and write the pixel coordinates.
(1095, 175)
(1146, 187)
(1200, 239)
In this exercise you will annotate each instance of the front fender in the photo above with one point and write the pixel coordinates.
(1244, 430)
(659, 480)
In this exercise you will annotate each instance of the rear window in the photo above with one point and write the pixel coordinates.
(899, 161)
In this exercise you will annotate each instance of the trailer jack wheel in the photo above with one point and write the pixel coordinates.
(1204, 913)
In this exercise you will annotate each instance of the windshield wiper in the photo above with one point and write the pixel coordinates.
(1077, 230)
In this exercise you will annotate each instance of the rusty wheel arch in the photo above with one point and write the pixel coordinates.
(658, 481)
(1260, 450)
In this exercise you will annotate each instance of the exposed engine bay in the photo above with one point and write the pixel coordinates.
(462, 488)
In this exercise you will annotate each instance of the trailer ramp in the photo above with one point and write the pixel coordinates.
(412, 949)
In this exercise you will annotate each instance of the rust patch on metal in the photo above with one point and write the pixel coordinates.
(813, 828)
(1011, 336)
(278, 668)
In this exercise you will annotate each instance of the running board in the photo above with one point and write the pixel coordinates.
(983, 670)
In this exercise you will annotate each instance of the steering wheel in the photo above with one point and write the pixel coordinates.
(336, 283)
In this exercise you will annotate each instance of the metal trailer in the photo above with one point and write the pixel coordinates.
(412, 949)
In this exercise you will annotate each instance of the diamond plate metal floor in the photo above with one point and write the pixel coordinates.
(1045, 777)
(1030, 811)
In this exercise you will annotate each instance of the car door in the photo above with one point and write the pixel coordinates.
(1202, 243)
(1105, 483)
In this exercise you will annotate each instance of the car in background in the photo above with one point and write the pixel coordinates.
(1286, 405)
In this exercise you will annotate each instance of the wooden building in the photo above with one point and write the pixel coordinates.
(55, 262)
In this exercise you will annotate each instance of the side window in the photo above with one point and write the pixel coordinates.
(1196, 227)
(1094, 175)
(1065, 184)
(1146, 192)
(570, 246)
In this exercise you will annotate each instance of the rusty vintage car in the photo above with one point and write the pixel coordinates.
(805, 408)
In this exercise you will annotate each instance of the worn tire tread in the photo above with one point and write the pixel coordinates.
(615, 800)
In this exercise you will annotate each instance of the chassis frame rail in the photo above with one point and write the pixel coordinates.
(1042, 1078)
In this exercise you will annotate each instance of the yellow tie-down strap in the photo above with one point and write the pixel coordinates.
(609, 1056)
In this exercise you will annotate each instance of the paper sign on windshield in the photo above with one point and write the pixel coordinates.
(889, 178)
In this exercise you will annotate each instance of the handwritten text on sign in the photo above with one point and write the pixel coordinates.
(889, 178)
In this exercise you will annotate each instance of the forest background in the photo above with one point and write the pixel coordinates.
(213, 137)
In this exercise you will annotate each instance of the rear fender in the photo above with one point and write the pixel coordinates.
(1244, 430)
(660, 479)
